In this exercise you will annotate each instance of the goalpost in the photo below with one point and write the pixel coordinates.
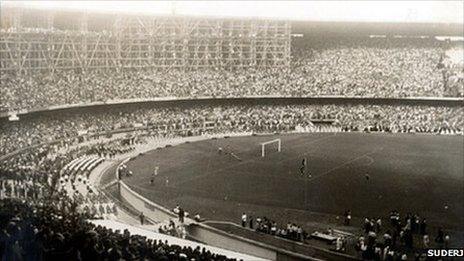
(263, 146)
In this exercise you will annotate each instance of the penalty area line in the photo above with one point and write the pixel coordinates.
(348, 162)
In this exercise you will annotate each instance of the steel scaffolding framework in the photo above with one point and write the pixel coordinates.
(187, 43)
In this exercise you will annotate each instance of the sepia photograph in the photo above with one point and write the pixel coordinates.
(231, 130)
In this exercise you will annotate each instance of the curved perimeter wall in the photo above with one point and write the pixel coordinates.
(210, 237)
(213, 236)
(199, 232)
(218, 238)
(429, 101)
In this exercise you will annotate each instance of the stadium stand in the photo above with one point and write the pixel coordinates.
(267, 118)
(48, 153)
(371, 68)
(45, 232)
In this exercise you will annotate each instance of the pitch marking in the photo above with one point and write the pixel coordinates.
(244, 162)
(346, 163)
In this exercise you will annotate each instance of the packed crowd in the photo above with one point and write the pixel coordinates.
(96, 204)
(107, 148)
(42, 218)
(368, 68)
(53, 231)
(173, 230)
(380, 240)
(265, 225)
(393, 240)
(46, 170)
(246, 118)
(30, 175)
(21, 189)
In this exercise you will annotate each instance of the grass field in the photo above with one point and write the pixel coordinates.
(411, 173)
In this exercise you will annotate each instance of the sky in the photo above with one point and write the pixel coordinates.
(364, 11)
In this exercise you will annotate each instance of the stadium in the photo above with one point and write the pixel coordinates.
(173, 137)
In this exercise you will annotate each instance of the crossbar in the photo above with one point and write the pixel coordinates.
(263, 144)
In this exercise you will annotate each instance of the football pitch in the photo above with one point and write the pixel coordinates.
(369, 174)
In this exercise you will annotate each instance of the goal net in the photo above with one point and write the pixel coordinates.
(271, 145)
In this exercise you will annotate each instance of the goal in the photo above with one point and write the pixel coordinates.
(263, 146)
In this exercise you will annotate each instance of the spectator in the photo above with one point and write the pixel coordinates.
(440, 239)
(142, 218)
(244, 219)
(347, 217)
(426, 241)
(181, 215)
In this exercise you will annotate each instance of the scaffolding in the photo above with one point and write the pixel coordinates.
(187, 43)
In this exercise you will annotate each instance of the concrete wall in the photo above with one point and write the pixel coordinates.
(207, 234)
(148, 208)
(223, 240)
(158, 213)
